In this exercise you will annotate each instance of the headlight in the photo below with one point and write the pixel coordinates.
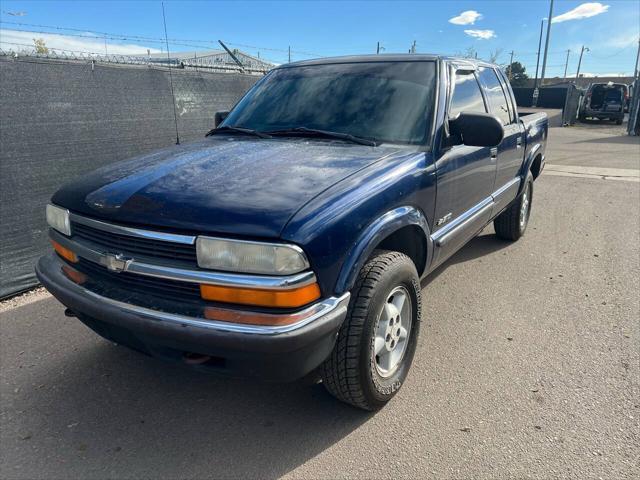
(250, 257)
(58, 219)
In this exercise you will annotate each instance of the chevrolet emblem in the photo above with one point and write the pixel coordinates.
(116, 263)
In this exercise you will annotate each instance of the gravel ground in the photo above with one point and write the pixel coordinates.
(528, 367)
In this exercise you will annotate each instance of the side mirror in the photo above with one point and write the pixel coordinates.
(219, 118)
(477, 129)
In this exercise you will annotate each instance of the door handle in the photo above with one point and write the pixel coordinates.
(494, 153)
(518, 142)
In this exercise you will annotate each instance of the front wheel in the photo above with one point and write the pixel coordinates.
(376, 343)
(512, 223)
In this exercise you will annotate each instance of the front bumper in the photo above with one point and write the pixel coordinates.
(282, 353)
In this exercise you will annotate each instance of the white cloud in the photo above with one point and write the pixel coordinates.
(623, 40)
(17, 40)
(584, 10)
(481, 34)
(466, 18)
(594, 75)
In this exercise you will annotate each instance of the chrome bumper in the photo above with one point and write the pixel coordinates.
(277, 353)
(50, 272)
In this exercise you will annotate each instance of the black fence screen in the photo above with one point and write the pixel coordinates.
(60, 120)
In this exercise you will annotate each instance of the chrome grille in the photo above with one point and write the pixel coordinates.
(135, 246)
(166, 289)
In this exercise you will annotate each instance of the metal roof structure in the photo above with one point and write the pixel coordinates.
(211, 58)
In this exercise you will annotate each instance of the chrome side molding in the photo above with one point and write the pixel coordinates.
(442, 236)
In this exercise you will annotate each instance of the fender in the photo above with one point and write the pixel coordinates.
(377, 231)
(526, 165)
(529, 160)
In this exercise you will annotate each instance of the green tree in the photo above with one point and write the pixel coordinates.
(516, 72)
(41, 47)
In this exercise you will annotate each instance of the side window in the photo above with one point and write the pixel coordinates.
(467, 96)
(495, 95)
(508, 92)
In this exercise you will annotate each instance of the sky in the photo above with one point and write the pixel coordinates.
(609, 29)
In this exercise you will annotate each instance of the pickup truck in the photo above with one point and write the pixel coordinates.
(290, 242)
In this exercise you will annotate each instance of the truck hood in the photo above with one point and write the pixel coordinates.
(229, 185)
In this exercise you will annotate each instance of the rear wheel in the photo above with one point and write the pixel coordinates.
(377, 341)
(618, 121)
(512, 223)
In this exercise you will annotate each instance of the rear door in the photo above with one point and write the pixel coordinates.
(511, 150)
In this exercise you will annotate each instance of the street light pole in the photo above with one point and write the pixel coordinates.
(566, 64)
(546, 43)
(584, 49)
(510, 65)
(635, 69)
(535, 81)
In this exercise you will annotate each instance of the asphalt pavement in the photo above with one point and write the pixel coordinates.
(528, 366)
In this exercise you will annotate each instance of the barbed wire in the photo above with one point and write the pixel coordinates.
(27, 50)
(128, 37)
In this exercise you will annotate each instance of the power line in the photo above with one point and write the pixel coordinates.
(130, 37)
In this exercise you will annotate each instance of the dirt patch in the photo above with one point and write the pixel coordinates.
(23, 299)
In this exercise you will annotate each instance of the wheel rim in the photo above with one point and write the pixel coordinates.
(392, 332)
(524, 207)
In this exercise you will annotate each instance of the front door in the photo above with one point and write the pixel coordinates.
(465, 177)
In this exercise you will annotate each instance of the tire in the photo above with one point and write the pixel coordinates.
(353, 373)
(619, 121)
(512, 223)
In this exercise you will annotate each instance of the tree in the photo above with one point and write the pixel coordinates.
(41, 47)
(494, 54)
(516, 72)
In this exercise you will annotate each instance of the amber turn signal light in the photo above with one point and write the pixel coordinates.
(64, 252)
(292, 298)
(74, 275)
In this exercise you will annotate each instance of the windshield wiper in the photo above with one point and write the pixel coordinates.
(231, 128)
(325, 133)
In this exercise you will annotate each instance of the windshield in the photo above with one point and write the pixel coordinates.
(384, 101)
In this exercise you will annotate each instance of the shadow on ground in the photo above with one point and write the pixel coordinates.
(477, 247)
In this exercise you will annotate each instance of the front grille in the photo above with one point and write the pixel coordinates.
(136, 246)
(159, 287)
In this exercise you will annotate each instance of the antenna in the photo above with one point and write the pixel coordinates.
(173, 96)
(235, 59)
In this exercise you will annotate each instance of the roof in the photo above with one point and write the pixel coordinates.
(388, 57)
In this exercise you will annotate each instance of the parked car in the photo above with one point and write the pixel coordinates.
(606, 101)
(291, 241)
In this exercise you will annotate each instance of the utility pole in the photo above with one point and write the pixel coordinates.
(535, 81)
(546, 43)
(584, 49)
(566, 64)
(510, 65)
(413, 47)
(289, 53)
(378, 49)
(635, 69)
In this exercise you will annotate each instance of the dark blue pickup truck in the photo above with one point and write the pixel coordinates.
(291, 240)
